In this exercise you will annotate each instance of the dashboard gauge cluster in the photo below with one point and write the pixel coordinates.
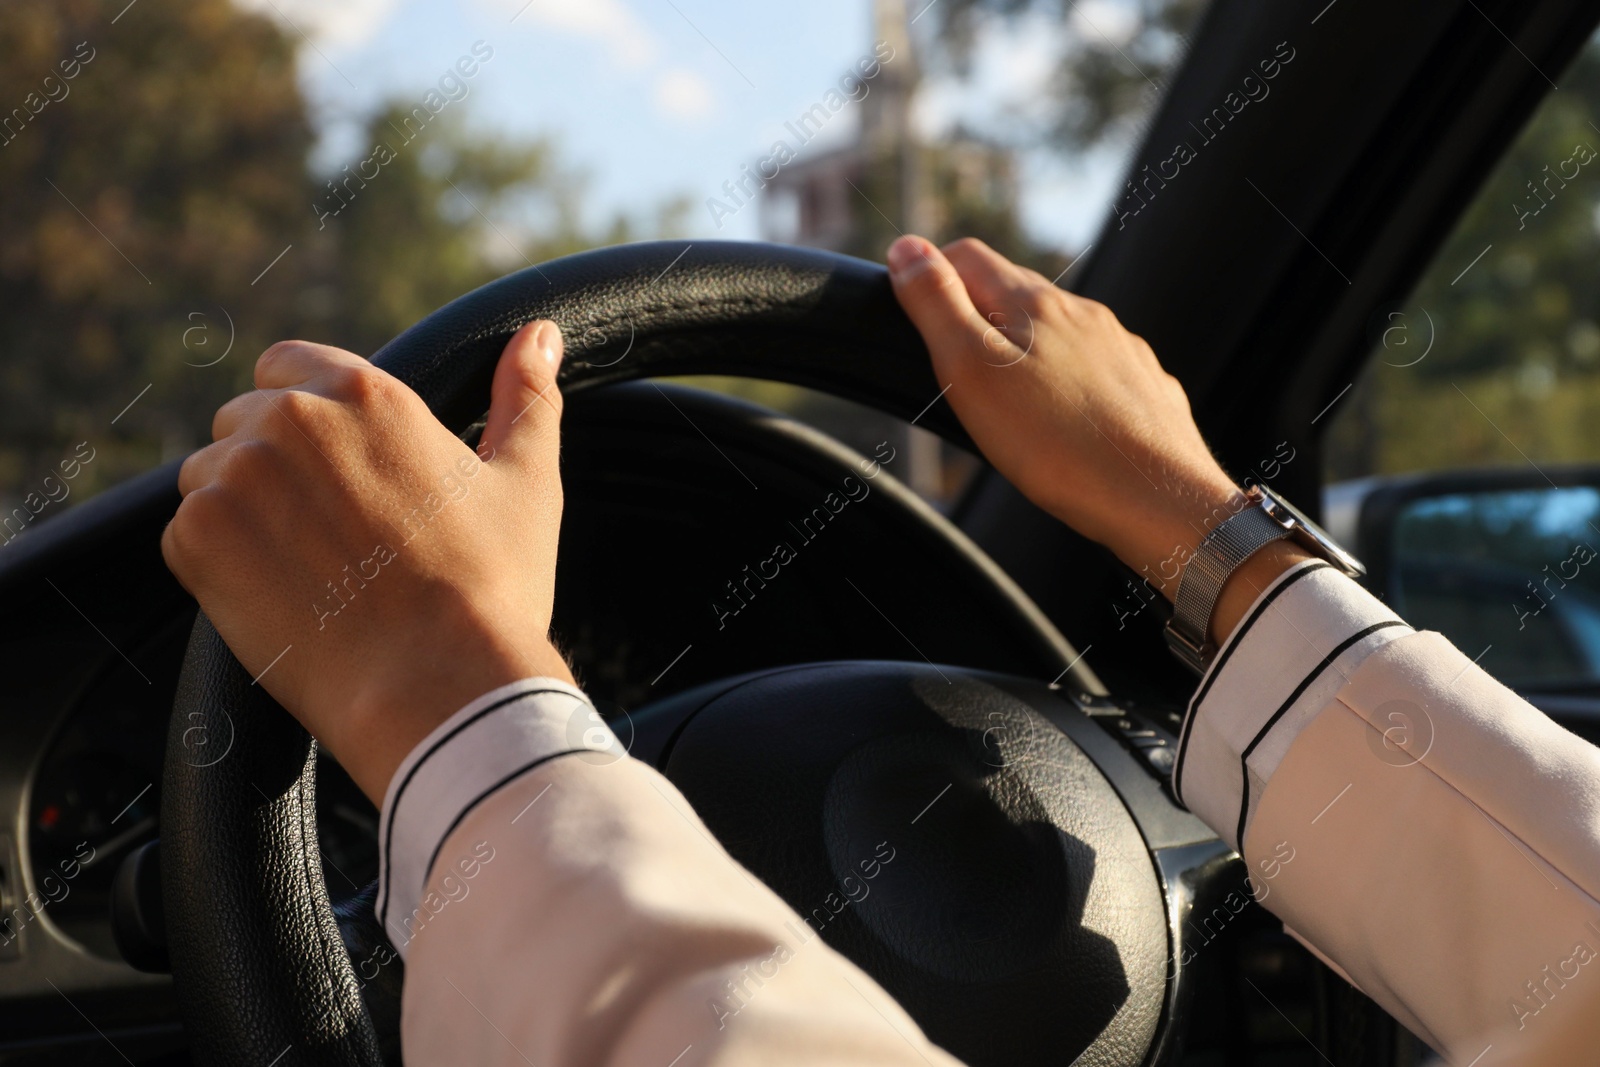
(95, 796)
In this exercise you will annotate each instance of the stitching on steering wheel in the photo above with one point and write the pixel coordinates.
(509, 324)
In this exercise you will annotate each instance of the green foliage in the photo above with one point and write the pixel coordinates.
(184, 142)
(1517, 336)
(179, 141)
(1514, 371)
(430, 225)
(1101, 81)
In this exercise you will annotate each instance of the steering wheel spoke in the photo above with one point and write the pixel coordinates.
(1018, 878)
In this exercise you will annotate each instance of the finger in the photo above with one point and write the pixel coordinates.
(524, 424)
(992, 279)
(932, 292)
(238, 411)
(173, 554)
(290, 363)
(189, 541)
(200, 469)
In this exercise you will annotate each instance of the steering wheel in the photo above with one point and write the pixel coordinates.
(1030, 912)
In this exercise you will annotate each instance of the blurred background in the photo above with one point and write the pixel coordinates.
(186, 183)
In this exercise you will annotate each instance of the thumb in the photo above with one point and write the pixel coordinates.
(524, 424)
(932, 293)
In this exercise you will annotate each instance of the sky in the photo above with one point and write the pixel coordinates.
(655, 99)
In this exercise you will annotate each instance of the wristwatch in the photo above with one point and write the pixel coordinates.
(1265, 518)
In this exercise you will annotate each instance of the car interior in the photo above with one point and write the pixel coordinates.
(1057, 905)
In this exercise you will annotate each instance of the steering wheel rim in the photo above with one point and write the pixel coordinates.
(644, 310)
(260, 962)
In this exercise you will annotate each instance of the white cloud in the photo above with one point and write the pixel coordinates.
(1012, 67)
(683, 94)
(678, 93)
(1105, 20)
(627, 41)
(344, 24)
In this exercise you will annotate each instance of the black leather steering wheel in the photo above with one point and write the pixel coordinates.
(264, 966)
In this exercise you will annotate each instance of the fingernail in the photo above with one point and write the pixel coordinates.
(907, 257)
(547, 339)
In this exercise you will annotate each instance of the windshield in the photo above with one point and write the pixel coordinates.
(188, 183)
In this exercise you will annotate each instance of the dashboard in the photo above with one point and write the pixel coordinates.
(96, 794)
(655, 595)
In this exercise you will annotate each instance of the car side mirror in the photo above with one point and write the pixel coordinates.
(1501, 560)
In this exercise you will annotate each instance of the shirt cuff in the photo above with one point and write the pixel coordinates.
(1299, 643)
(488, 744)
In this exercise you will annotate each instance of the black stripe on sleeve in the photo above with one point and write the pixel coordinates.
(1244, 757)
(1234, 641)
(427, 872)
(394, 809)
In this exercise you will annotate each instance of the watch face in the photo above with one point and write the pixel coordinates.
(1315, 537)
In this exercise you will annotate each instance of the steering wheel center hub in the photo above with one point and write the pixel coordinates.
(941, 832)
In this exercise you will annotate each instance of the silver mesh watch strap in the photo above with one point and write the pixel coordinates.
(1238, 538)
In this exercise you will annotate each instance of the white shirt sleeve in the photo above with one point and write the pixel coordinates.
(1418, 825)
(557, 902)
(496, 739)
(1294, 650)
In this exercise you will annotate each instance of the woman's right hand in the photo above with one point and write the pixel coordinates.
(1072, 408)
(1077, 413)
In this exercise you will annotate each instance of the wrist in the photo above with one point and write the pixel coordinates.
(1248, 581)
(372, 738)
(1187, 526)
(1159, 542)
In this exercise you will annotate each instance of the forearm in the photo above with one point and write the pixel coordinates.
(602, 925)
(1157, 539)
(1426, 830)
(1404, 872)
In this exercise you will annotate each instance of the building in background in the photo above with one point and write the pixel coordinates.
(887, 180)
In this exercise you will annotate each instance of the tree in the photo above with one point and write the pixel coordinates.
(163, 226)
(1512, 305)
(1100, 81)
(437, 221)
(1518, 337)
(154, 166)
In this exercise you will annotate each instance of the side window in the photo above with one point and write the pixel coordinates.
(1495, 359)
(1487, 382)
